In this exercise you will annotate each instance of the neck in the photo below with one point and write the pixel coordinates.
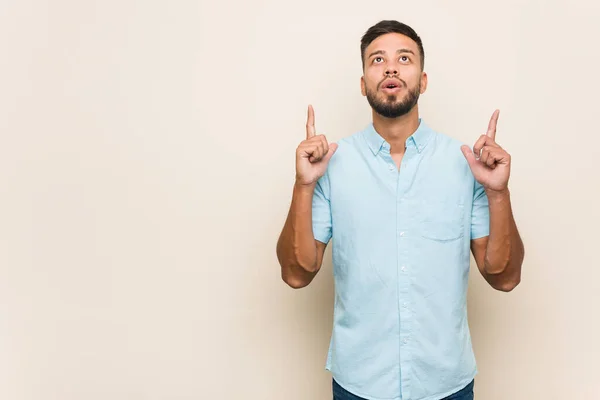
(395, 131)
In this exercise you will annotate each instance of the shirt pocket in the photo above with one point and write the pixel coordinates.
(442, 221)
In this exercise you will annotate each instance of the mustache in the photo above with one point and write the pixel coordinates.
(395, 77)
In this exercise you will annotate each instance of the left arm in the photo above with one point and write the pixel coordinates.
(499, 256)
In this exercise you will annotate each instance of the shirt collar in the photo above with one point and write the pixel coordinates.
(418, 139)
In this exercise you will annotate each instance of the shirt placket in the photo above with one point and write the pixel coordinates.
(402, 179)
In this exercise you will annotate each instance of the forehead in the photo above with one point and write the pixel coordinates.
(390, 42)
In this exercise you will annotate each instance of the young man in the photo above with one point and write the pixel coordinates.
(404, 206)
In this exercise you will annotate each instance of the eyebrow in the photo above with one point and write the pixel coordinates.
(397, 52)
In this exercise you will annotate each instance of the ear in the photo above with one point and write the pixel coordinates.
(363, 91)
(423, 82)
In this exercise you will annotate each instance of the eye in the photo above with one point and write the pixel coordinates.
(378, 59)
(404, 59)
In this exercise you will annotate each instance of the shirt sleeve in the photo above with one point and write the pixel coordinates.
(321, 210)
(480, 215)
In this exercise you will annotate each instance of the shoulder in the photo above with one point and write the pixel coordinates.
(348, 146)
(445, 141)
(446, 161)
(351, 141)
(446, 153)
(449, 146)
(347, 157)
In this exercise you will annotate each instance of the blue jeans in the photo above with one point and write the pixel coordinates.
(466, 393)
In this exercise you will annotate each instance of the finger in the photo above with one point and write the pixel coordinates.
(469, 155)
(325, 143)
(317, 153)
(322, 148)
(491, 158)
(307, 149)
(485, 154)
(491, 162)
(491, 132)
(332, 148)
(479, 145)
(319, 141)
(310, 123)
(500, 156)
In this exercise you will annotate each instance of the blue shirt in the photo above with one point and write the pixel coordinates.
(401, 255)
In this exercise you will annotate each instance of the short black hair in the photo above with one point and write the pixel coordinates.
(390, 26)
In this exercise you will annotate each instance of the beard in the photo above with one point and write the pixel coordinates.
(390, 107)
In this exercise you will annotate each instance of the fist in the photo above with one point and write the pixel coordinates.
(313, 154)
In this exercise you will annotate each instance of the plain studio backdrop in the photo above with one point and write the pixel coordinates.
(146, 167)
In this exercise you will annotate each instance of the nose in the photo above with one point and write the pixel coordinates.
(391, 70)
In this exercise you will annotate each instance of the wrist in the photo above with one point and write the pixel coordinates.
(498, 195)
(304, 187)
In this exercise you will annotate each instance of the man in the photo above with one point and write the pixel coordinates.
(404, 207)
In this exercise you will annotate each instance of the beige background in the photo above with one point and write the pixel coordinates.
(146, 166)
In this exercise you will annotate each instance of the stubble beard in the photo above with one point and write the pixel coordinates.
(390, 107)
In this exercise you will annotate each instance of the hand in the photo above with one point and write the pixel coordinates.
(489, 162)
(313, 154)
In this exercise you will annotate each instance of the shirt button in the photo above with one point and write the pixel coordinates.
(391, 168)
(403, 268)
(405, 340)
(405, 305)
(401, 233)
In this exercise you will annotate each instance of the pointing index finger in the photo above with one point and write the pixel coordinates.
(491, 132)
(310, 123)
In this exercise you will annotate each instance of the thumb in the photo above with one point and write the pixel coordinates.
(468, 153)
(332, 148)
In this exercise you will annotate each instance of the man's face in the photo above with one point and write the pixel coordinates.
(392, 78)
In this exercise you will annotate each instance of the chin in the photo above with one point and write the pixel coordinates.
(393, 100)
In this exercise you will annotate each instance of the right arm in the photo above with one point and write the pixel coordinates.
(299, 253)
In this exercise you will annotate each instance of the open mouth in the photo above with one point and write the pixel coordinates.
(391, 85)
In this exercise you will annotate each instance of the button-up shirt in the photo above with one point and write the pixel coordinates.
(401, 257)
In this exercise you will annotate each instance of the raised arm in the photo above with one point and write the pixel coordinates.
(299, 253)
(500, 255)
